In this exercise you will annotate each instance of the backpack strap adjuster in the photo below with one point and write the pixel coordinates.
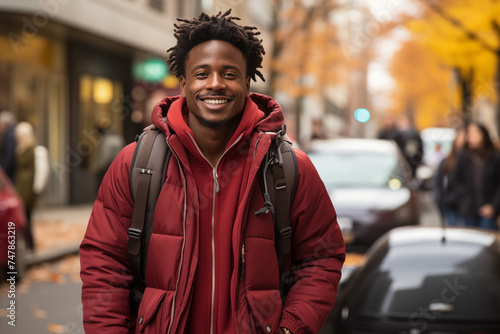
(146, 171)
(280, 184)
(134, 233)
(286, 232)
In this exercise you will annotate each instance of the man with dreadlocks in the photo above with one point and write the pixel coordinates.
(212, 265)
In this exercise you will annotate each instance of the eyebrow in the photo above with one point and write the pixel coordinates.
(227, 67)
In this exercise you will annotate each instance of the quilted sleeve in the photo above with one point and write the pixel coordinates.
(318, 253)
(105, 270)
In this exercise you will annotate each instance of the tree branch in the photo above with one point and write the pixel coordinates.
(496, 28)
(469, 33)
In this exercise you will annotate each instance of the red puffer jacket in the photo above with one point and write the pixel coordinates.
(318, 249)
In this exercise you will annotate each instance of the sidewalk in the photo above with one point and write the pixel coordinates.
(58, 231)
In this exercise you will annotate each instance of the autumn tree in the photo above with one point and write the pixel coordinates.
(306, 50)
(465, 35)
(423, 85)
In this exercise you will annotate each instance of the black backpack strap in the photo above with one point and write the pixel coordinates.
(280, 173)
(147, 176)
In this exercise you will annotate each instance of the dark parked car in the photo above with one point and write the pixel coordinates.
(12, 229)
(423, 280)
(370, 184)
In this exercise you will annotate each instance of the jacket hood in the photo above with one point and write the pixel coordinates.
(272, 121)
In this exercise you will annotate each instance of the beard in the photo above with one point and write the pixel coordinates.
(220, 124)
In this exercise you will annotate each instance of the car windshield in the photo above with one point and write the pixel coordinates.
(345, 169)
(445, 282)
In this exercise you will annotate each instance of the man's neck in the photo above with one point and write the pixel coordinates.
(212, 142)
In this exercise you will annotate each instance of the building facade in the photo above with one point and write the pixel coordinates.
(77, 70)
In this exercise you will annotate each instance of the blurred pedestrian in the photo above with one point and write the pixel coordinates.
(444, 193)
(389, 131)
(434, 159)
(8, 143)
(111, 144)
(413, 149)
(25, 172)
(477, 179)
(42, 169)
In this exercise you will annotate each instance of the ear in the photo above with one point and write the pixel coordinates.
(247, 83)
(182, 82)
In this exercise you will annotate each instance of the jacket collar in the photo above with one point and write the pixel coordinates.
(261, 114)
(270, 121)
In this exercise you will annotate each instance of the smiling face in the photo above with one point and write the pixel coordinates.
(215, 84)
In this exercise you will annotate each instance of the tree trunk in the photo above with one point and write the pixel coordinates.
(276, 48)
(466, 91)
(497, 88)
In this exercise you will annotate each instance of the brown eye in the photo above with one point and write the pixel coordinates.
(201, 74)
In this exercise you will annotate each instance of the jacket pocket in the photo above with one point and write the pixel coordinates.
(265, 310)
(154, 312)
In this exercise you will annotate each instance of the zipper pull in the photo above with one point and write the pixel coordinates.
(216, 181)
(242, 271)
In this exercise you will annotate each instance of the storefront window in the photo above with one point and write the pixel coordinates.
(5, 70)
(32, 87)
(101, 112)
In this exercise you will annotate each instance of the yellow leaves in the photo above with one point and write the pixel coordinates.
(39, 313)
(309, 55)
(458, 29)
(449, 36)
(56, 329)
(422, 82)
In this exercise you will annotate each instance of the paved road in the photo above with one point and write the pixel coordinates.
(429, 214)
(47, 302)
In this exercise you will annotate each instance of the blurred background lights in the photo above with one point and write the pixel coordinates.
(362, 115)
(151, 70)
(103, 90)
(394, 184)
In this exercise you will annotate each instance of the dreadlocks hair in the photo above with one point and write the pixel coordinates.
(218, 27)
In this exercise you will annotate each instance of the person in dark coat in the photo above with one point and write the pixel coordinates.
(389, 131)
(476, 179)
(412, 147)
(7, 143)
(443, 186)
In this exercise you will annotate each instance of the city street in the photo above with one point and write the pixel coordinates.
(48, 299)
(429, 214)
(386, 98)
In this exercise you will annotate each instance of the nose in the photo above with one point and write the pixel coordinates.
(215, 82)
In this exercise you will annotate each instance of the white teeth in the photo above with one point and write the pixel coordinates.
(215, 101)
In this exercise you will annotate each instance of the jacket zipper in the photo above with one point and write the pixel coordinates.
(172, 311)
(216, 180)
(242, 273)
(215, 192)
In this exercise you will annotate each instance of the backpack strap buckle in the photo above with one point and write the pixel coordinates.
(280, 134)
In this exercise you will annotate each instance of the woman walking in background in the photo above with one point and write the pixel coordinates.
(476, 179)
(445, 196)
(25, 171)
